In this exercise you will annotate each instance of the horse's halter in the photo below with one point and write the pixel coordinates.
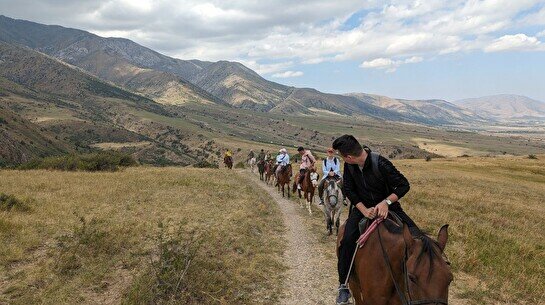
(405, 297)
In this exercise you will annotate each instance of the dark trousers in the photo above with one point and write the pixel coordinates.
(301, 175)
(351, 235)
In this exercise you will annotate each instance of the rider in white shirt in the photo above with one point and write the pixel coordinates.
(331, 169)
(282, 160)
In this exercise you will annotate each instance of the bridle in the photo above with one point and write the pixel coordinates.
(405, 297)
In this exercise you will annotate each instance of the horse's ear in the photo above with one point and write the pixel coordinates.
(407, 236)
(442, 237)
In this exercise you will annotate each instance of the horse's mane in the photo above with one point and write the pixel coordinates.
(429, 245)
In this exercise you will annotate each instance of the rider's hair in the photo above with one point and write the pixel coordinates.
(300, 148)
(347, 145)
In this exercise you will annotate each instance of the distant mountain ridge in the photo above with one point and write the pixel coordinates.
(505, 106)
(173, 81)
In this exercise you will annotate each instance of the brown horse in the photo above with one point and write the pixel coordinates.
(269, 172)
(393, 267)
(310, 181)
(228, 161)
(261, 169)
(283, 179)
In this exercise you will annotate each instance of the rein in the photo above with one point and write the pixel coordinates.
(405, 297)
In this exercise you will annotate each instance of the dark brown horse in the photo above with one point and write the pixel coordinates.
(310, 181)
(261, 169)
(269, 171)
(228, 161)
(283, 179)
(393, 267)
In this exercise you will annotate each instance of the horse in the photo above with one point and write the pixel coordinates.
(283, 179)
(333, 204)
(261, 169)
(269, 172)
(228, 161)
(251, 163)
(393, 267)
(308, 187)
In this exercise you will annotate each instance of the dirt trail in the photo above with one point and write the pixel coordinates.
(312, 276)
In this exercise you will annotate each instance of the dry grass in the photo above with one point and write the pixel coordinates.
(90, 237)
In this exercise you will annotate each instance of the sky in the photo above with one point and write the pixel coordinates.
(445, 49)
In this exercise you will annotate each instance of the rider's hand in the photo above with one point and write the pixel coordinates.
(369, 213)
(382, 209)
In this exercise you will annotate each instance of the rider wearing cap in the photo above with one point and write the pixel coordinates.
(331, 169)
(307, 162)
(282, 160)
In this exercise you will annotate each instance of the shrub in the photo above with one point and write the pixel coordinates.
(102, 161)
(2, 121)
(206, 164)
(428, 158)
(239, 165)
(10, 202)
(532, 157)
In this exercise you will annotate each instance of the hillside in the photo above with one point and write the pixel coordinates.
(505, 107)
(175, 81)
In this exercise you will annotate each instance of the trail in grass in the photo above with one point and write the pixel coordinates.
(312, 276)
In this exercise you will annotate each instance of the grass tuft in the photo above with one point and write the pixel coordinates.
(10, 202)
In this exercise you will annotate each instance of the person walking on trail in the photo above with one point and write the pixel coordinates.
(331, 169)
(307, 161)
(282, 160)
(374, 186)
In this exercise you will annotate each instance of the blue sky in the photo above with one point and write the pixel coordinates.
(400, 48)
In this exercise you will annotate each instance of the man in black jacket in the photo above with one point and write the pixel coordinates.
(373, 189)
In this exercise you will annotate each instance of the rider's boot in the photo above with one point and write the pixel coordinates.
(344, 295)
(299, 186)
(321, 201)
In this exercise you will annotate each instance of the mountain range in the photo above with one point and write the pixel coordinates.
(65, 90)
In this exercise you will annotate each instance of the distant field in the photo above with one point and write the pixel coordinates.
(89, 238)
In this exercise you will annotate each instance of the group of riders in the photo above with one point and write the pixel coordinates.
(331, 169)
(373, 187)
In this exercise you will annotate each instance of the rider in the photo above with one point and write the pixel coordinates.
(228, 153)
(331, 170)
(250, 155)
(282, 160)
(307, 161)
(261, 156)
(373, 189)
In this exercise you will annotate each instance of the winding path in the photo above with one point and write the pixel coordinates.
(311, 277)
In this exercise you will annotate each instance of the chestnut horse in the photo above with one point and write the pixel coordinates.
(228, 162)
(393, 267)
(269, 172)
(283, 179)
(308, 187)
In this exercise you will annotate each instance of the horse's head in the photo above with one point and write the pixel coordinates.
(333, 192)
(428, 274)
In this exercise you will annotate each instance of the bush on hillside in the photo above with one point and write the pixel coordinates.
(532, 157)
(428, 158)
(206, 164)
(10, 202)
(102, 161)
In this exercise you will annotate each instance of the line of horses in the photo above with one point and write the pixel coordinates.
(333, 197)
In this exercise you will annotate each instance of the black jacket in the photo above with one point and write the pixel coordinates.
(364, 186)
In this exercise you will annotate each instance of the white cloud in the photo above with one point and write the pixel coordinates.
(287, 74)
(541, 34)
(388, 64)
(518, 42)
(309, 32)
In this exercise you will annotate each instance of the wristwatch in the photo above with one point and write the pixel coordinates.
(388, 201)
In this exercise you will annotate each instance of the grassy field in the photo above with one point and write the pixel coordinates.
(138, 236)
(127, 237)
(496, 216)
